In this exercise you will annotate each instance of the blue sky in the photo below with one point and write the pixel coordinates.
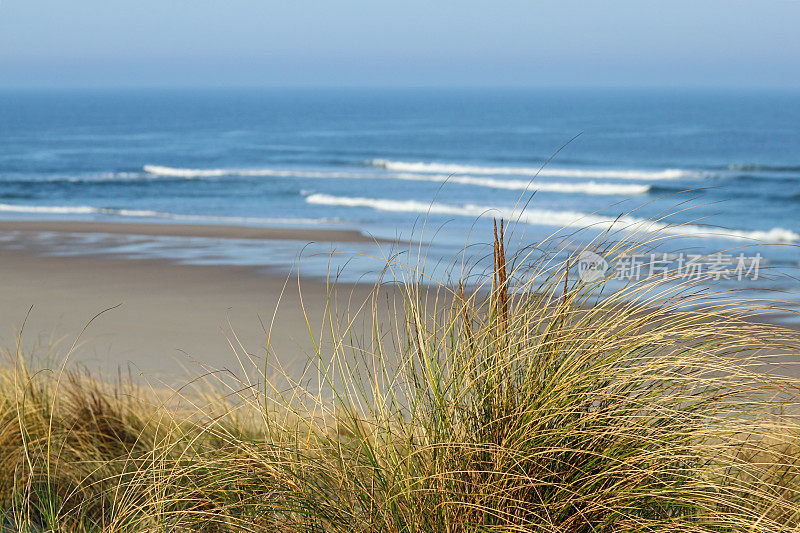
(51, 43)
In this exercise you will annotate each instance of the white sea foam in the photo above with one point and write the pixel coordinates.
(172, 172)
(194, 173)
(554, 218)
(451, 168)
(591, 187)
(52, 209)
(78, 210)
(141, 213)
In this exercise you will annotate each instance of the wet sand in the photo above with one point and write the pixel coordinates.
(185, 230)
(168, 315)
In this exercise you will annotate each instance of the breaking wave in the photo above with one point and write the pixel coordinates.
(554, 218)
(590, 187)
(193, 173)
(631, 174)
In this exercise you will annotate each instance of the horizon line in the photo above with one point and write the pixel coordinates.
(157, 86)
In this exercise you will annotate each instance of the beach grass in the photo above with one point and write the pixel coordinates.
(510, 399)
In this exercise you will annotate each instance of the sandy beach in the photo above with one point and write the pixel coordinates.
(168, 315)
(161, 318)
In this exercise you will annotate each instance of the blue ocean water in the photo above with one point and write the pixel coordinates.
(725, 163)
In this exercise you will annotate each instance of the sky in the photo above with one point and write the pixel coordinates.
(161, 43)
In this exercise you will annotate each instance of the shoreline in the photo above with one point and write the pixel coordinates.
(172, 314)
(186, 230)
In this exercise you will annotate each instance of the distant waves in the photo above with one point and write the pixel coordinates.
(590, 187)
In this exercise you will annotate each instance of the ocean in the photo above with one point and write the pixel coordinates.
(718, 169)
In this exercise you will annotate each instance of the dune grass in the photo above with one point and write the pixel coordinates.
(510, 401)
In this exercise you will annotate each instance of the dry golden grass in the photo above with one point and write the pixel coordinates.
(519, 402)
